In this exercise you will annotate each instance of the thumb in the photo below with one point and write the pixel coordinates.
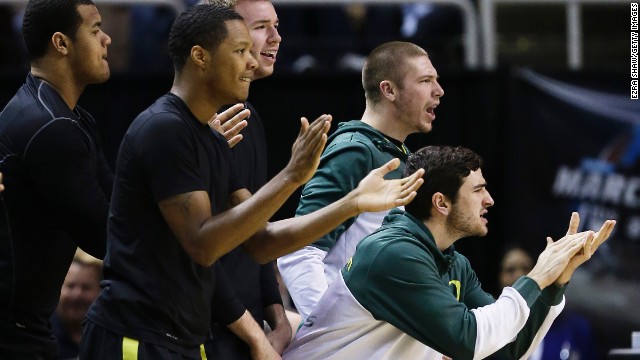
(574, 223)
(304, 125)
(387, 168)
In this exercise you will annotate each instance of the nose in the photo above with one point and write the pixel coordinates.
(252, 63)
(107, 40)
(438, 91)
(274, 36)
(488, 201)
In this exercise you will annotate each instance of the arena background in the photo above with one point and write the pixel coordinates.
(554, 141)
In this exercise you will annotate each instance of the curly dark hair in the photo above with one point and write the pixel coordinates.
(445, 169)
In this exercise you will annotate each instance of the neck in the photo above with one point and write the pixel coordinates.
(193, 95)
(384, 120)
(442, 235)
(62, 79)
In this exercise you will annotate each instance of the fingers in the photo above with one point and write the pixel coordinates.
(574, 223)
(316, 132)
(232, 112)
(235, 129)
(234, 140)
(413, 182)
(304, 125)
(408, 195)
(215, 125)
(602, 235)
(227, 125)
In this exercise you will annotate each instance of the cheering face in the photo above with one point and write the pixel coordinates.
(419, 95)
(262, 21)
(88, 50)
(81, 287)
(232, 65)
(467, 216)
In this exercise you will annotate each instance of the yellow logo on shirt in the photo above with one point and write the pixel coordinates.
(456, 284)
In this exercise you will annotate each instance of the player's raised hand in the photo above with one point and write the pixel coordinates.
(306, 150)
(374, 193)
(588, 249)
(556, 256)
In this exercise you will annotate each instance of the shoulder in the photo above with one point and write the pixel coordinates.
(390, 245)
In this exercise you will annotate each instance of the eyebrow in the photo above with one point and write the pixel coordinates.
(265, 21)
(430, 76)
(480, 186)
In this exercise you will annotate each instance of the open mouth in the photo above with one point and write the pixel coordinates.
(245, 79)
(431, 111)
(269, 54)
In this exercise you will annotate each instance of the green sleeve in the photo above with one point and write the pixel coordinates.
(550, 296)
(411, 296)
(341, 168)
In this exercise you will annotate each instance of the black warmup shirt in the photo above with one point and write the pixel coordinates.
(153, 291)
(56, 198)
(254, 284)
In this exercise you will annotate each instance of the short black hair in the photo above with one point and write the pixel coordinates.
(202, 25)
(43, 18)
(445, 168)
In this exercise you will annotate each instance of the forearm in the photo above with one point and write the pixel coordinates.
(280, 335)
(248, 330)
(225, 231)
(285, 236)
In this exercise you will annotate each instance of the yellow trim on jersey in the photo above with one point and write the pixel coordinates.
(203, 353)
(129, 349)
(456, 283)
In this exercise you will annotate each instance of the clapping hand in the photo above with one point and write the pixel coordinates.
(230, 122)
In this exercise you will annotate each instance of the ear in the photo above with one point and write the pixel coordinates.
(388, 90)
(199, 56)
(441, 204)
(61, 43)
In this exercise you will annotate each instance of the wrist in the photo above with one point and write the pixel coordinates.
(290, 178)
(351, 203)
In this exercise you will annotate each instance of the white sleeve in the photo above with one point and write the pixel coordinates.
(303, 274)
(499, 323)
(554, 312)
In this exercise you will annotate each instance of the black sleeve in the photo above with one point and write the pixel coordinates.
(166, 147)
(63, 163)
(269, 285)
(225, 307)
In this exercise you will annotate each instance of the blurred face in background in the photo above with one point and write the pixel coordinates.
(81, 287)
(516, 263)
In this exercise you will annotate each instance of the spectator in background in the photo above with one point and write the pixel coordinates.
(149, 31)
(570, 334)
(81, 287)
(12, 53)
